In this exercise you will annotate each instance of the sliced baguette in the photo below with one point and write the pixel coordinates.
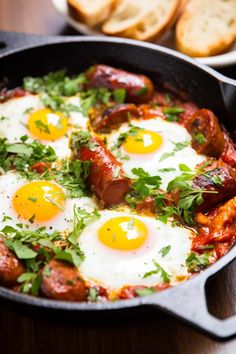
(142, 19)
(91, 12)
(206, 28)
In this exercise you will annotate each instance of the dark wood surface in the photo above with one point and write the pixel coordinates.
(23, 332)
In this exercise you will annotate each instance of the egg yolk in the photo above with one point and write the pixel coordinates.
(47, 125)
(123, 233)
(38, 201)
(144, 142)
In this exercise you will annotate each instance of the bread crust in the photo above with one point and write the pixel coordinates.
(139, 29)
(213, 47)
(91, 19)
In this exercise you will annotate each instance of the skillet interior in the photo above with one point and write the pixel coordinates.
(184, 76)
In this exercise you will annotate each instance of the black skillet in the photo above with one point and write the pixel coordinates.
(22, 55)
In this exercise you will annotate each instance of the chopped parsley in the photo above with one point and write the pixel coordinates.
(145, 184)
(142, 91)
(145, 291)
(200, 138)
(28, 110)
(2, 118)
(217, 180)
(21, 156)
(158, 269)
(172, 113)
(42, 127)
(165, 250)
(92, 295)
(55, 83)
(133, 131)
(195, 262)
(82, 218)
(189, 197)
(119, 95)
(29, 244)
(178, 147)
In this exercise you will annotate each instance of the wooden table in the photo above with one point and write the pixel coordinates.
(25, 333)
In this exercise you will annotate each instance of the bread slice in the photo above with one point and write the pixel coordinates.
(142, 19)
(91, 12)
(206, 28)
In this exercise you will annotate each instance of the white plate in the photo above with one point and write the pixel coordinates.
(167, 40)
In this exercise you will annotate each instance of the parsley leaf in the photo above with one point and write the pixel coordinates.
(178, 146)
(119, 95)
(133, 131)
(81, 219)
(164, 275)
(201, 139)
(55, 83)
(145, 291)
(196, 262)
(21, 156)
(145, 184)
(171, 113)
(165, 250)
(92, 295)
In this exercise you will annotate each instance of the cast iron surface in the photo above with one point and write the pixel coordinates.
(22, 55)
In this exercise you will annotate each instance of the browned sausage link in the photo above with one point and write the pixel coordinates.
(146, 206)
(111, 118)
(207, 136)
(139, 88)
(229, 153)
(224, 186)
(106, 178)
(14, 93)
(10, 266)
(63, 282)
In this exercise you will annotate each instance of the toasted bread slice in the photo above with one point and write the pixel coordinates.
(91, 12)
(206, 28)
(141, 19)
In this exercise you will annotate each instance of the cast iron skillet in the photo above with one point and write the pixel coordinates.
(22, 55)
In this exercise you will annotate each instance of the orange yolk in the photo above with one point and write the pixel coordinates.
(144, 142)
(38, 201)
(123, 233)
(47, 125)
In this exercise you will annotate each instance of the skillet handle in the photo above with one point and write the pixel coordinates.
(188, 302)
(10, 41)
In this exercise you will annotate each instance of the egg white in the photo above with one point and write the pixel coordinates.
(171, 133)
(14, 123)
(114, 268)
(63, 221)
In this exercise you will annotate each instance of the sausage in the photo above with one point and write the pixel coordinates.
(14, 93)
(63, 282)
(147, 205)
(207, 136)
(111, 118)
(139, 88)
(218, 226)
(40, 167)
(106, 177)
(10, 266)
(224, 186)
(229, 153)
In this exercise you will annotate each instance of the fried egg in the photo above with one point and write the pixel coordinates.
(122, 248)
(155, 148)
(38, 203)
(27, 116)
